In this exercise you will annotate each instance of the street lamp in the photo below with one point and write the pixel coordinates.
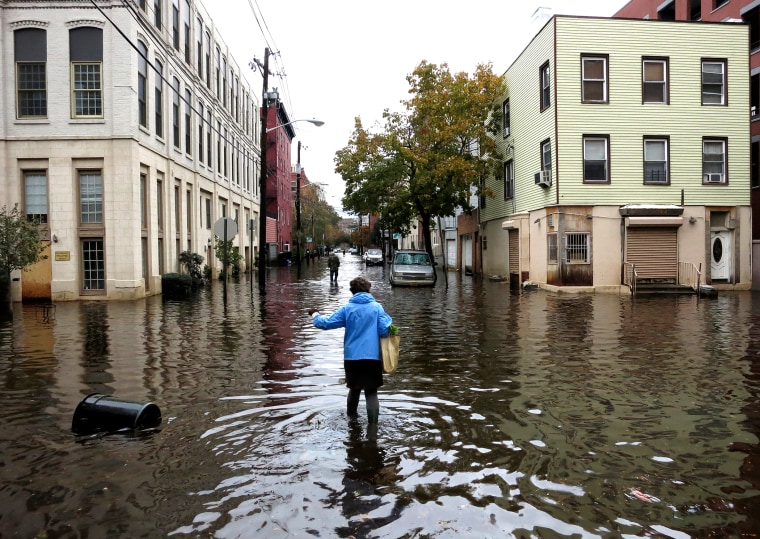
(318, 123)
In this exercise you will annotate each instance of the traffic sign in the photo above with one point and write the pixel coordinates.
(225, 228)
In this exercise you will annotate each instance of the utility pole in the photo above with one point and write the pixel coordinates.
(263, 255)
(298, 206)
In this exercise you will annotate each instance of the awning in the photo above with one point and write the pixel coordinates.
(653, 221)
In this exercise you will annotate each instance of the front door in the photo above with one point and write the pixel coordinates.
(720, 255)
(467, 254)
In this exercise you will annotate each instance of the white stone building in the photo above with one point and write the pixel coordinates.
(128, 130)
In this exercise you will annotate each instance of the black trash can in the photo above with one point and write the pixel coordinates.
(103, 413)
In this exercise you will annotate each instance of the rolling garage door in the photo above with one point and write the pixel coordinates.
(514, 251)
(654, 251)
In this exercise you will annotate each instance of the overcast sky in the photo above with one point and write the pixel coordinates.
(348, 58)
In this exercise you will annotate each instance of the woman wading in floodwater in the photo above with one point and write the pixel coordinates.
(365, 321)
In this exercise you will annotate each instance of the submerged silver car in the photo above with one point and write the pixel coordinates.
(412, 268)
(373, 257)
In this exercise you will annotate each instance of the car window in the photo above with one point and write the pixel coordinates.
(421, 260)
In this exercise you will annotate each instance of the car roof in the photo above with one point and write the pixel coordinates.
(410, 251)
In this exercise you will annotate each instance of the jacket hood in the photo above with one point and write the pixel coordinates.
(362, 297)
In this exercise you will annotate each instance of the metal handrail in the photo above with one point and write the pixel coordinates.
(690, 275)
(630, 276)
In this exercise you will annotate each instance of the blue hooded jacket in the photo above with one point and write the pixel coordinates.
(365, 321)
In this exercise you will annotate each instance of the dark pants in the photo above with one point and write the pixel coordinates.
(334, 274)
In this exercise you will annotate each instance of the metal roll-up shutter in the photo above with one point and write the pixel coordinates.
(654, 251)
(514, 251)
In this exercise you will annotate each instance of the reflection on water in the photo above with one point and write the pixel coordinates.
(511, 415)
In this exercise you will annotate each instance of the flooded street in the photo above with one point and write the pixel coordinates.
(511, 415)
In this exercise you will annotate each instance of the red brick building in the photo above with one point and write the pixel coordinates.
(279, 199)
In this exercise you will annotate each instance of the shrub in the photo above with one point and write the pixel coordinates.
(176, 285)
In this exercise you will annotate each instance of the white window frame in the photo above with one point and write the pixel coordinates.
(710, 176)
(713, 91)
(665, 143)
(606, 143)
(663, 84)
(86, 92)
(588, 80)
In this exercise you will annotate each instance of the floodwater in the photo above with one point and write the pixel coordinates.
(511, 415)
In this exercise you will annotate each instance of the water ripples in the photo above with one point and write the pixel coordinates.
(511, 415)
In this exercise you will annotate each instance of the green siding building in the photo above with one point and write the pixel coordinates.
(626, 148)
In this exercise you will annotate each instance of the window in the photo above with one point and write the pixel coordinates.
(546, 157)
(86, 57)
(545, 87)
(224, 159)
(695, 10)
(142, 83)
(30, 51)
(189, 210)
(160, 245)
(157, 13)
(90, 198)
(509, 180)
(224, 82)
(236, 99)
(208, 60)
(754, 97)
(754, 171)
(752, 19)
(654, 83)
(505, 116)
(208, 141)
(719, 3)
(175, 112)
(714, 161)
(551, 248)
(219, 146)
(143, 201)
(177, 210)
(160, 205)
(93, 265)
(596, 159)
(35, 196)
(577, 248)
(713, 82)
(186, 27)
(656, 161)
(218, 69)
(594, 79)
(175, 24)
(667, 11)
(201, 135)
(199, 47)
(188, 137)
(159, 98)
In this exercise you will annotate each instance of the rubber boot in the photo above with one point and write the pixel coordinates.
(373, 415)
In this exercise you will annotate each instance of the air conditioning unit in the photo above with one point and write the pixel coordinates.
(543, 178)
(713, 178)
